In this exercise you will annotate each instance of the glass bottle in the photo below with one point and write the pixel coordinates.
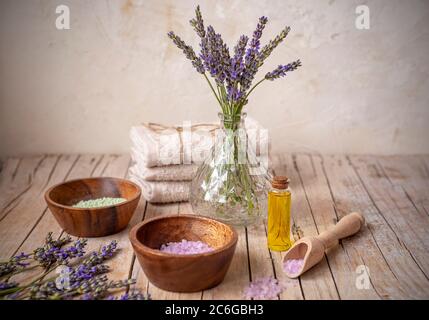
(231, 184)
(279, 214)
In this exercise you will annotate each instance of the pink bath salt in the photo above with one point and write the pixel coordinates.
(263, 289)
(186, 247)
(293, 266)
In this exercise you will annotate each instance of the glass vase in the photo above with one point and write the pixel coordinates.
(231, 184)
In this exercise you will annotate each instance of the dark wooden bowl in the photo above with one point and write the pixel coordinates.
(93, 222)
(184, 273)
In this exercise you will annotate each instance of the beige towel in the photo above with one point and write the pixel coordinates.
(157, 145)
(163, 191)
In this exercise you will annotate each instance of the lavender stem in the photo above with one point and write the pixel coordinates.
(208, 81)
(260, 81)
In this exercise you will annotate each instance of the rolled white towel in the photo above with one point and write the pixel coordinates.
(178, 172)
(163, 191)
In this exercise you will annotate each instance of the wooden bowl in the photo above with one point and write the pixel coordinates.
(93, 222)
(184, 273)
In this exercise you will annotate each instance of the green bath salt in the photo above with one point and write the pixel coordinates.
(100, 202)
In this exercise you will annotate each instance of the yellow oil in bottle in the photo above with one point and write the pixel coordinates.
(279, 215)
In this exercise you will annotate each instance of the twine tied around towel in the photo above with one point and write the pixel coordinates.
(207, 127)
(158, 127)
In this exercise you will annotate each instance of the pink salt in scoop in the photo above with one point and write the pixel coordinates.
(309, 251)
(186, 247)
(293, 266)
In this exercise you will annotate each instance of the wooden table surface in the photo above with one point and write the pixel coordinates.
(391, 191)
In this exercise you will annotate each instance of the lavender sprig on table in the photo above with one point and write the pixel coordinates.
(7, 285)
(15, 264)
(106, 252)
(94, 288)
(83, 275)
(233, 75)
(49, 255)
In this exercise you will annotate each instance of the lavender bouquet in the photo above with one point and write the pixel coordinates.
(224, 186)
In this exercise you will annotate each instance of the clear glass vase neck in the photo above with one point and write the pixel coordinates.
(232, 121)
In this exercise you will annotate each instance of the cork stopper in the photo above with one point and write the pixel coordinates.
(280, 182)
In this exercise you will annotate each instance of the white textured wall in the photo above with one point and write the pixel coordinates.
(80, 90)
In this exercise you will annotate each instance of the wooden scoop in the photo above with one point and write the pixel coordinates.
(312, 249)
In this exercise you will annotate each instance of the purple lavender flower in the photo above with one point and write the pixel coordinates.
(105, 253)
(124, 296)
(99, 286)
(6, 269)
(21, 260)
(11, 296)
(47, 290)
(4, 285)
(85, 272)
(21, 256)
(281, 70)
(257, 34)
(89, 296)
(74, 251)
(236, 70)
(252, 54)
(50, 242)
(215, 55)
(209, 53)
(14, 264)
(52, 252)
(109, 250)
(267, 49)
(134, 295)
(95, 288)
(237, 61)
(188, 51)
(198, 23)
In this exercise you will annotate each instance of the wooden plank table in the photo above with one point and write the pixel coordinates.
(391, 191)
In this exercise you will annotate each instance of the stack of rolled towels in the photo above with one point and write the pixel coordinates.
(166, 158)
